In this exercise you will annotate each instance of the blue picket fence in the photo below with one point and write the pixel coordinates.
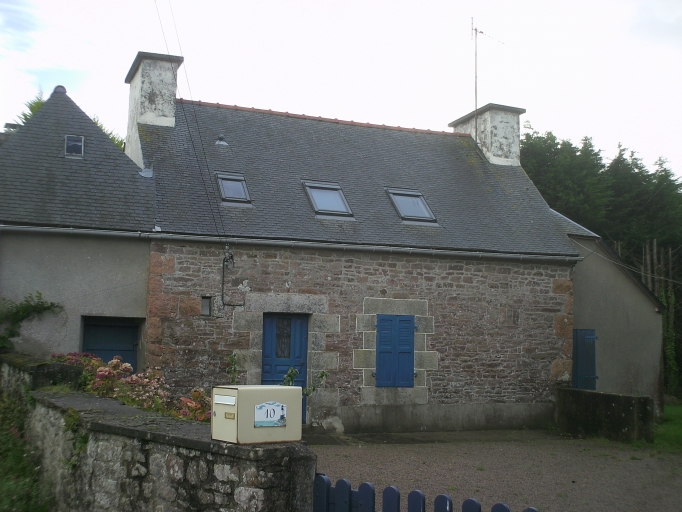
(342, 498)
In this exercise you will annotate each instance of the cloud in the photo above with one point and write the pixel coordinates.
(17, 22)
(660, 20)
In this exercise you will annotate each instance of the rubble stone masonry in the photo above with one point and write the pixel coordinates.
(489, 331)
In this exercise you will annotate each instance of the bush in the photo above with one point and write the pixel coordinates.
(146, 390)
(20, 488)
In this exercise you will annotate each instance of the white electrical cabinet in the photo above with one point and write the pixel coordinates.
(256, 414)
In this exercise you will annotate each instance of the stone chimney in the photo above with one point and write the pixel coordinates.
(153, 80)
(499, 132)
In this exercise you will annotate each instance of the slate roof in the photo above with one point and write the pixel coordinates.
(39, 186)
(573, 228)
(479, 206)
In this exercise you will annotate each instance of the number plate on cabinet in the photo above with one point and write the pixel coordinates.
(270, 414)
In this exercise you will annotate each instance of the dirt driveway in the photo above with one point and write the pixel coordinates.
(520, 468)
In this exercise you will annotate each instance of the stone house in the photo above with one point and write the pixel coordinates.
(423, 271)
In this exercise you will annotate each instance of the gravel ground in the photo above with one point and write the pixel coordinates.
(520, 468)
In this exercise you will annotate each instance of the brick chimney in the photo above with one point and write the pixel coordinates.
(153, 82)
(499, 131)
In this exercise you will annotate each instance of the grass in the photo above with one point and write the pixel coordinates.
(668, 435)
(20, 489)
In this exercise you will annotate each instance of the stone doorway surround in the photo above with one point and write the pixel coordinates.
(320, 324)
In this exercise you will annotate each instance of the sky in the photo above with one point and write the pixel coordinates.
(607, 69)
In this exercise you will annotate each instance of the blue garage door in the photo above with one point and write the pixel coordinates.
(108, 337)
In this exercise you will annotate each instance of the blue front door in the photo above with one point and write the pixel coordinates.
(285, 345)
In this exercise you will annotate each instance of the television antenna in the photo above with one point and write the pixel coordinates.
(474, 35)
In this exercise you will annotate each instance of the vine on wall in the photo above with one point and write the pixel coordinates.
(12, 314)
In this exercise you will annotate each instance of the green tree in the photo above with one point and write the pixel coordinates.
(570, 178)
(32, 106)
(625, 203)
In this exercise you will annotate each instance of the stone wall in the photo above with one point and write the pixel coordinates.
(591, 413)
(20, 374)
(119, 458)
(495, 332)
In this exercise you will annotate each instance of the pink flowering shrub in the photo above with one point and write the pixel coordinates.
(147, 390)
(197, 408)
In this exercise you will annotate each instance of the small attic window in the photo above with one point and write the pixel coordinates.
(73, 146)
(411, 205)
(327, 198)
(233, 188)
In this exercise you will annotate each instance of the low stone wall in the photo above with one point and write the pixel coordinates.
(20, 373)
(619, 417)
(98, 454)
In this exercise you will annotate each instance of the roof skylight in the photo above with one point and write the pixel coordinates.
(73, 145)
(411, 205)
(233, 188)
(327, 198)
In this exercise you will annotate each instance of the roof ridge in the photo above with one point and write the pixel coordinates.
(319, 118)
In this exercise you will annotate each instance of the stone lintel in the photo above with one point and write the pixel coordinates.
(286, 303)
(378, 306)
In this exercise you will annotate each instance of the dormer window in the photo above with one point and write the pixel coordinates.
(233, 188)
(327, 198)
(411, 205)
(73, 146)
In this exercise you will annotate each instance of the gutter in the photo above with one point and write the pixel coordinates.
(139, 235)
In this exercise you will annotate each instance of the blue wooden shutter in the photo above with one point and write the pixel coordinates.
(395, 351)
(584, 359)
(384, 371)
(405, 352)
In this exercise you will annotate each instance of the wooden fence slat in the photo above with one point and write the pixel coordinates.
(471, 505)
(366, 497)
(391, 498)
(443, 503)
(416, 502)
(500, 507)
(321, 488)
(342, 495)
